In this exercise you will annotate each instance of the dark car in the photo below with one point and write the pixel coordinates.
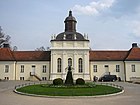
(108, 78)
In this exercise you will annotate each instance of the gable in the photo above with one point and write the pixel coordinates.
(134, 54)
(6, 54)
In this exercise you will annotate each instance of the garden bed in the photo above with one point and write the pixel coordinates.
(76, 90)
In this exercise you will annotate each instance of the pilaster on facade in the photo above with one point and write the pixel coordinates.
(75, 62)
(63, 64)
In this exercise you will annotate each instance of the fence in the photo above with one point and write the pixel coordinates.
(35, 83)
(30, 83)
(113, 85)
(92, 93)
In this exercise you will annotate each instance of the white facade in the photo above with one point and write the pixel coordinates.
(22, 70)
(35, 68)
(132, 69)
(7, 70)
(14, 72)
(104, 67)
(73, 50)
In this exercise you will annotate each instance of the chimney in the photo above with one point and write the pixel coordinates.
(134, 45)
(6, 45)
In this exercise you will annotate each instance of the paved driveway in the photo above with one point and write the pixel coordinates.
(8, 97)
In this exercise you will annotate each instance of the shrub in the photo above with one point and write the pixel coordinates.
(80, 81)
(57, 81)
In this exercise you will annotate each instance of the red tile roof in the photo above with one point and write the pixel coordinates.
(134, 54)
(32, 55)
(6, 55)
(108, 55)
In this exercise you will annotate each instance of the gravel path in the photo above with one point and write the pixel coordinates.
(8, 97)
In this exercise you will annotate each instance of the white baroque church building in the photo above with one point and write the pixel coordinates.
(69, 48)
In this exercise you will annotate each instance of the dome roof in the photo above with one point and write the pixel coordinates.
(70, 33)
(70, 36)
(70, 17)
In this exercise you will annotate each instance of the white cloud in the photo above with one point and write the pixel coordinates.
(94, 7)
(136, 28)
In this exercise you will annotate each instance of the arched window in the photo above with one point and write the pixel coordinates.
(80, 63)
(69, 62)
(59, 64)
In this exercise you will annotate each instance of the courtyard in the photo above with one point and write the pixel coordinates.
(131, 96)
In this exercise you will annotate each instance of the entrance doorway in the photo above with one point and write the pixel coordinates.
(33, 70)
(107, 70)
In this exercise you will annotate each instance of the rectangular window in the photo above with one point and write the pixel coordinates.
(117, 68)
(6, 78)
(44, 78)
(133, 68)
(22, 69)
(94, 68)
(6, 68)
(44, 68)
(21, 78)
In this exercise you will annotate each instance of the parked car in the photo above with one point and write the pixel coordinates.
(108, 78)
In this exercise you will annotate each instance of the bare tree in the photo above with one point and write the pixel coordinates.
(4, 38)
(40, 49)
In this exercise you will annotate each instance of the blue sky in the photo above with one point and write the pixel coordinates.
(110, 24)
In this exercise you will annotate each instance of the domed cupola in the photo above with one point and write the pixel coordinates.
(70, 33)
(70, 23)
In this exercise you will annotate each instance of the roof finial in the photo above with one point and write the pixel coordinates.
(70, 13)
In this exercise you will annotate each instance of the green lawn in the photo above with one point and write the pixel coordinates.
(69, 91)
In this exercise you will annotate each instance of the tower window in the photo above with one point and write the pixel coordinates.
(59, 66)
(80, 65)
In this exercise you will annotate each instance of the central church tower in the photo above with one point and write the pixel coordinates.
(70, 48)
